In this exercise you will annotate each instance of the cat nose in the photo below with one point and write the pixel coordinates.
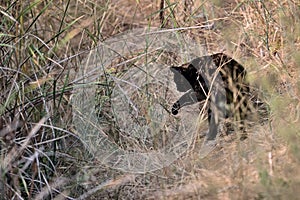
(174, 111)
(175, 108)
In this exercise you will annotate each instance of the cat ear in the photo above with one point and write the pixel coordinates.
(175, 69)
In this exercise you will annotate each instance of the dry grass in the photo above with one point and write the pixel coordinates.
(42, 44)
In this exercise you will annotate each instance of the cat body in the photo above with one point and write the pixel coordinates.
(217, 78)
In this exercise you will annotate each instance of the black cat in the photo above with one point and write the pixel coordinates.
(219, 79)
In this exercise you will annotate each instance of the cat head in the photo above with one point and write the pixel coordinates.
(185, 77)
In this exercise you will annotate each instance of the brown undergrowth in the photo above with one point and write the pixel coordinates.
(42, 45)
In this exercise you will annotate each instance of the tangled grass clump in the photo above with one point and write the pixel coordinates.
(42, 47)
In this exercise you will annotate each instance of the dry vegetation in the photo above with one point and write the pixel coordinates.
(42, 44)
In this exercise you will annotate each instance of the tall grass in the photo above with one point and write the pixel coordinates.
(42, 44)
